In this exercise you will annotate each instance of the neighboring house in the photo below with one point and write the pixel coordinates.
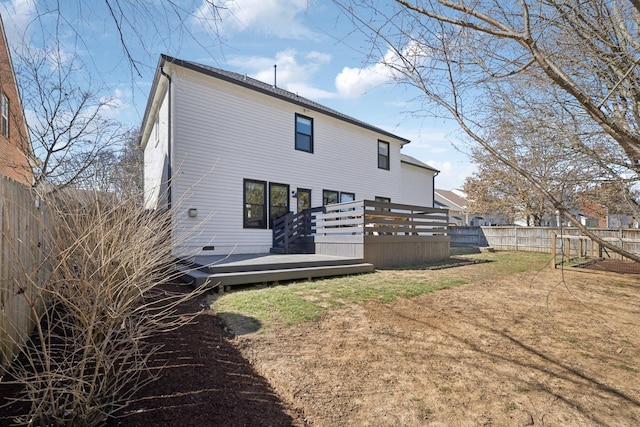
(14, 137)
(239, 153)
(456, 201)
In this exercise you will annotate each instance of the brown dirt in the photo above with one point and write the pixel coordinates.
(204, 382)
(552, 348)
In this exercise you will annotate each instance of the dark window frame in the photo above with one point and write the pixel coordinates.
(384, 161)
(299, 147)
(262, 222)
(324, 197)
(353, 196)
(382, 199)
(298, 192)
(272, 206)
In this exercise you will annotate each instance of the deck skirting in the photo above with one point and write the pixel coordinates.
(386, 251)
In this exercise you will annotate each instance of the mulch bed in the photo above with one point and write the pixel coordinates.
(204, 381)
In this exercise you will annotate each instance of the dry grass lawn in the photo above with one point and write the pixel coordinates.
(539, 347)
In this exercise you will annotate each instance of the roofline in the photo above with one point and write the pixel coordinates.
(463, 207)
(150, 103)
(295, 99)
(422, 165)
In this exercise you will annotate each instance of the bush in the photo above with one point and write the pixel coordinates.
(105, 263)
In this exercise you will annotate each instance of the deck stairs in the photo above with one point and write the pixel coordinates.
(222, 272)
(293, 233)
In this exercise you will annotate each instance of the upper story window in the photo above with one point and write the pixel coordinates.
(304, 133)
(383, 155)
(4, 115)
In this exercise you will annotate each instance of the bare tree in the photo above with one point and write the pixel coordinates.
(69, 117)
(533, 128)
(583, 54)
(119, 172)
(68, 122)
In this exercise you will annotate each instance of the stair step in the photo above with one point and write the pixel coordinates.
(198, 278)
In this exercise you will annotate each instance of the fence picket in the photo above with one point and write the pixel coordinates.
(20, 258)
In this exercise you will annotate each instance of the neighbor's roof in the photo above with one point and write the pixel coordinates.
(265, 88)
(450, 199)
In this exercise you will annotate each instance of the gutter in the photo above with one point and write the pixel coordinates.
(169, 137)
(433, 189)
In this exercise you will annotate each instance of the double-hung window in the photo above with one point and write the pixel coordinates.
(383, 155)
(304, 133)
(255, 204)
(4, 115)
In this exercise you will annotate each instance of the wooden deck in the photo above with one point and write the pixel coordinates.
(223, 271)
(383, 234)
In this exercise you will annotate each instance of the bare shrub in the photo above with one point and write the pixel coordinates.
(104, 261)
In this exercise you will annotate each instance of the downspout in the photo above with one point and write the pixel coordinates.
(433, 189)
(169, 134)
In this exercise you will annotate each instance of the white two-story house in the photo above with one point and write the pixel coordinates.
(229, 154)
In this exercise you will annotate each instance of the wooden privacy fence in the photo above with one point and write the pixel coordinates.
(384, 234)
(20, 265)
(540, 239)
(578, 246)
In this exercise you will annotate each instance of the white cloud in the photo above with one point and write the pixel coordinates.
(276, 18)
(354, 82)
(293, 74)
(115, 103)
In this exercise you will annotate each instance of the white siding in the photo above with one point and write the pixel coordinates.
(417, 185)
(156, 159)
(223, 133)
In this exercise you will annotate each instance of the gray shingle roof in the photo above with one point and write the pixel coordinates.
(413, 161)
(259, 86)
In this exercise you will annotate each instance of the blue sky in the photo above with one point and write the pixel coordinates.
(317, 52)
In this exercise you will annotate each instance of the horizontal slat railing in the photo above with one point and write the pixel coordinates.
(290, 228)
(366, 217)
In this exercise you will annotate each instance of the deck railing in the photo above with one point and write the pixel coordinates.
(293, 233)
(384, 234)
(366, 217)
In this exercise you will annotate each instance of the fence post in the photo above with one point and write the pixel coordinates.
(580, 248)
(553, 249)
(567, 250)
